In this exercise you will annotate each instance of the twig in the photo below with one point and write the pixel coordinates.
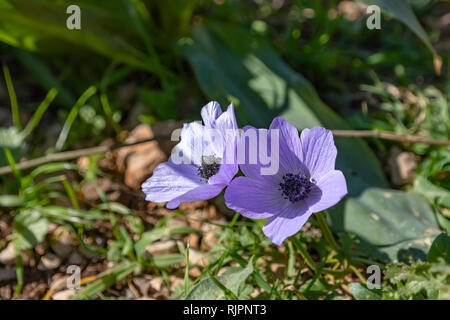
(70, 155)
(387, 136)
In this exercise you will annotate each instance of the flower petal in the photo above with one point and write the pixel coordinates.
(204, 192)
(329, 190)
(289, 146)
(227, 120)
(190, 149)
(287, 223)
(170, 181)
(254, 161)
(210, 113)
(318, 151)
(255, 199)
(225, 174)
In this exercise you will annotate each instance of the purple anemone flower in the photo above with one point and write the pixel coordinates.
(202, 164)
(306, 181)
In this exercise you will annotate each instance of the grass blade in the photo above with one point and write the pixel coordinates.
(12, 98)
(72, 116)
(34, 121)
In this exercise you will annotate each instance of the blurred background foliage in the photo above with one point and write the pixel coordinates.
(311, 62)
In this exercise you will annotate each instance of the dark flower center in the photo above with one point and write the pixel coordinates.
(210, 166)
(295, 187)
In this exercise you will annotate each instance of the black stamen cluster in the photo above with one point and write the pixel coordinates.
(210, 166)
(295, 187)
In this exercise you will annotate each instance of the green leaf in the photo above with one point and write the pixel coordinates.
(167, 260)
(429, 190)
(392, 225)
(361, 292)
(158, 233)
(315, 290)
(71, 215)
(116, 207)
(440, 249)
(30, 228)
(207, 289)
(10, 200)
(402, 11)
(231, 64)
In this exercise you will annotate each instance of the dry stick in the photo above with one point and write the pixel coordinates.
(70, 155)
(387, 136)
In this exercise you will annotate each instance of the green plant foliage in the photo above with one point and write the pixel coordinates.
(158, 233)
(208, 289)
(361, 292)
(30, 228)
(107, 279)
(402, 11)
(418, 281)
(394, 225)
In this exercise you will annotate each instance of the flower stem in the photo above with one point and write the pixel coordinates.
(320, 216)
(304, 253)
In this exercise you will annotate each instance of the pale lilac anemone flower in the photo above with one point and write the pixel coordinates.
(202, 164)
(305, 183)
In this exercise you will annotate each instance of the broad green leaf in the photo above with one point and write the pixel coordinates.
(361, 292)
(158, 233)
(440, 249)
(401, 10)
(232, 65)
(206, 289)
(393, 225)
(108, 278)
(30, 228)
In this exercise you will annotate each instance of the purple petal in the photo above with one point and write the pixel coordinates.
(225, 175)
(287, 223)
(204, 192)
(330, 189)
(227, 120)
(255, 199)
(248, 154)
(190, 148)
(318, 151)
(170, 181)
(210, 113)
(289, 146)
